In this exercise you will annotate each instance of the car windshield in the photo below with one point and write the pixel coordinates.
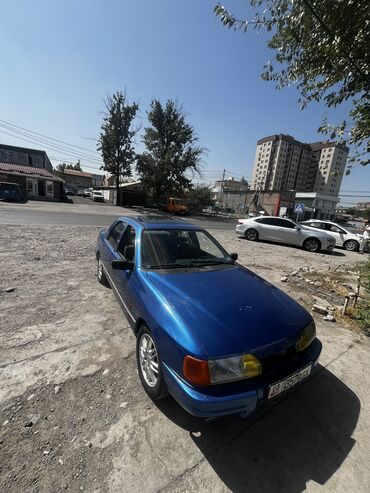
(97, 193)
(176, 248)
(179, 201)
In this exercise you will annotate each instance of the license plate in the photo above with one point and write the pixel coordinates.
(289, 382)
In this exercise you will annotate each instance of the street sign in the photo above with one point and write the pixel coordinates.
(299, 209)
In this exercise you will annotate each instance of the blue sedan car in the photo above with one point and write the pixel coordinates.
(217, 337)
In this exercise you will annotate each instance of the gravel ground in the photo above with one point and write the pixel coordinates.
(73, 415)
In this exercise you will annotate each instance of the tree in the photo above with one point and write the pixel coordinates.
(171, 150)
(200, 196)
(323, 47)
(116, 136)
(75, 167)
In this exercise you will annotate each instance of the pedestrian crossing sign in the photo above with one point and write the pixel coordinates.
(299, 209)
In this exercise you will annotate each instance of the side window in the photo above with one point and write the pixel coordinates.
(126, 246)
(272, 221)
(285, 224)
(115, 234)
(333, 229)
(266, 220)
(315, 224)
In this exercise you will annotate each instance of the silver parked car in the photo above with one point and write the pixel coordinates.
(343, 236)
(282, 230)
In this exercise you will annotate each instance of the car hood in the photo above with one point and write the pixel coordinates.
(232, 310)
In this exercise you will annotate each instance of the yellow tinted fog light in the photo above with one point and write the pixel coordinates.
(307, 336)
(251, 365)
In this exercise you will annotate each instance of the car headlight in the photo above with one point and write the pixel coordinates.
(216, 371)
(307, 336)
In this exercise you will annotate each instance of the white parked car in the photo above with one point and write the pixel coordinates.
(97, 196)
(342, 235)
(87, 192)
(282, 230)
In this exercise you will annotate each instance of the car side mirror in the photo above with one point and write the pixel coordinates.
(234, 256)
(298, 228)
(123, 264)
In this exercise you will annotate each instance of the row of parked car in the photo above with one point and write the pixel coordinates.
(313, 235)
(94, 195)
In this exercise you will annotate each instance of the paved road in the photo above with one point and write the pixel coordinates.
(85, 213)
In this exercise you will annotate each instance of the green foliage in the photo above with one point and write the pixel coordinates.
(363, 306)
(75, 167)
(365, 213)
(323, 47)
(200, 196)
(116, 136)
(171, 150)
(365, 276)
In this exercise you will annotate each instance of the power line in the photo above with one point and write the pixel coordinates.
(54, 147)
(62, 160)
(37, 140)
(49, 138)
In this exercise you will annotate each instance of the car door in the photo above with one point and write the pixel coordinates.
(265, 227)
(286, 232)
(125, 280)
(337, 233)
(109, 245)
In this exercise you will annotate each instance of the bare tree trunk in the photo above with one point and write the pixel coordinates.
(117, 189)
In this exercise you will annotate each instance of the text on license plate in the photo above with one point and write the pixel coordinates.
(287, 383)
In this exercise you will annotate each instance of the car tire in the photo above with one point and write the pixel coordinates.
(251, 234)
(351, 245)
(102, 278)
(312, 245)
(149, 365)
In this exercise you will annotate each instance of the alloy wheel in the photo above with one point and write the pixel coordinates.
(251, 234)
(312, 245)
(148, 358)
(351, 245)
(100, 269)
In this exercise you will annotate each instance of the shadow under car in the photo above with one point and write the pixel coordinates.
(306, 436)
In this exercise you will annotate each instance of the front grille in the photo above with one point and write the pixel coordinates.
(274, 363)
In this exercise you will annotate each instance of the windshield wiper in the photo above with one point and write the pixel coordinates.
(166, 266)
(205, 262)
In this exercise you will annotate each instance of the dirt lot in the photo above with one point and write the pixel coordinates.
(74, 417)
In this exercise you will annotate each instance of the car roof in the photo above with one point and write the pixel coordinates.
(271, 217)
(159, 222)
(325, 221)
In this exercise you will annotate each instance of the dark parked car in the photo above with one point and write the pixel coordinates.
(217, 337)
(11, 192)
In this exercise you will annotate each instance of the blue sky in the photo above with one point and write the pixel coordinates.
(60, 58)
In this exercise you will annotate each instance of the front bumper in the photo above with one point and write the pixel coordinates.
(231, 399)
(239, 230)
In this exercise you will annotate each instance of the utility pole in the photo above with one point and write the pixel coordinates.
(222, 187)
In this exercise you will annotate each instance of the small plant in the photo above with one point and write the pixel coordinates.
(363, 305)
